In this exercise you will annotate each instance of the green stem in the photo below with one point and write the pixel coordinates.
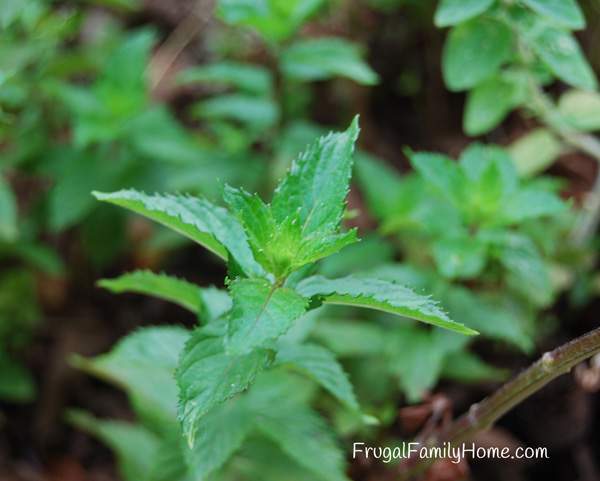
(547, 112)
(483, 415)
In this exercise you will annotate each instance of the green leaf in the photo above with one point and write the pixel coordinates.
(246, 77)
(474, 51)
(442, 173)
(143, 363)
(196, 218)
(379, 183)
(275, 20)
(8, 212)
(255, 112)
(172, 289)
(416, 356)
(350, 338)
(305, 437)
(561, 53)
(324, 58)
(527, 272)
(532, 203)
(16, 383)
(490, 315)
(535, 151)
(207, 376)
(221, 433)
(260, 313)
(564, 12)
(70, 199)
(581, 109)
(466, 367)
(321, 365)
(459, 257)
(134, 446)
(489, 103)
(451, 12)
(314, 191)
(281, 247)
(372, 293)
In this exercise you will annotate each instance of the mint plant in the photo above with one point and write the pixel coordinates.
(233, 373)
(504, 54)
(485, 242)
(268, 101)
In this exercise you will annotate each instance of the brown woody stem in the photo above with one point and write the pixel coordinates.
(483, 415)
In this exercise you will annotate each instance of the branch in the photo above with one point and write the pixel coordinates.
(547, 112)
(483, 415)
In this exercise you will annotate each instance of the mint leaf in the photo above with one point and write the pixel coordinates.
(305, 437)
(320, 364)
(535, 151)
(466, 367)
(261, 312)
(8, 212)
(275, 20)
(459, 257)
(173, 289)
(281, 247)
(441, 172)
(143, 363)
(559, 50)
(451, 12)
(210, 226)
(489, 103)
(207, 376)
(564, 12)
(474, 51)
(134, 446)
(314, 191)
(581, 109)
(246, 77)
(221, 433)
(323, 58)
(372, 293)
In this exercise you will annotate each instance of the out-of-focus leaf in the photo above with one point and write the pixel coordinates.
(256, 112)
(466, 367)
(581, 109)
(459, 257)
(489, 103)
(320, 364)
(323, 58)
(564, 12)
(559, 50)
(143, 363)
(474, 51)
(275, 20)
(246, 77)
(535, 151)
(8, 212)
(350, 338)
(16, 383)
(451, 12)
(134, 446)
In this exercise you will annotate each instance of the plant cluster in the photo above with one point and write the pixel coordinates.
(235, 373)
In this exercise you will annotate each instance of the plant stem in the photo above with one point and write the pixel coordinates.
(547, 112)
(483, 415)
